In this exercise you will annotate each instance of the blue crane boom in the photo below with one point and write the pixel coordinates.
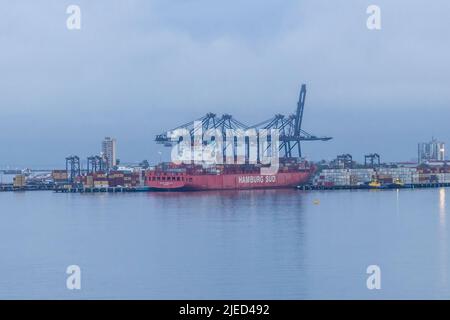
(290, 127)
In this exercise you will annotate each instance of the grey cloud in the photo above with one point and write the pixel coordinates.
(137, 67)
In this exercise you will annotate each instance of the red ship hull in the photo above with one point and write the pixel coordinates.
(162, 180)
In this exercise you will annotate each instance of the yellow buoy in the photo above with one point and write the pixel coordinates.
(316, 201)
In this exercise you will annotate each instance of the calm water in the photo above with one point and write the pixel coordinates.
(275, 244)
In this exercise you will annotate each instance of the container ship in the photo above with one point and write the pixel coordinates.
(293, 170)
(171, 177)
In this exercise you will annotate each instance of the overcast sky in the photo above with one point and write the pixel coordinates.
(137, 68)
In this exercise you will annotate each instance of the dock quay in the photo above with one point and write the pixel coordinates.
(65, 189)
(11, 187)
(334, 175)
(360, 187)
(102, 189)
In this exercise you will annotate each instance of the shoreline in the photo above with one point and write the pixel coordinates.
(10, 188)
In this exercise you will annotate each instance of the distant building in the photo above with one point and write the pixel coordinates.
(431, 151)
(109, 151)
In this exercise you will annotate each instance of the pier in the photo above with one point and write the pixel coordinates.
(11, 187)
(102, 189)
(308, 187)
(59, 189)
(365, 187)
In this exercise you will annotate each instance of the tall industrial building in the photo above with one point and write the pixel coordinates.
(109, 151)
(431, 151)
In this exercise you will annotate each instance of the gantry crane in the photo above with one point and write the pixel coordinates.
(290, 129)
(73, 168)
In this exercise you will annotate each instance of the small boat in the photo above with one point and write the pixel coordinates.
(374, 184)
(397, 183)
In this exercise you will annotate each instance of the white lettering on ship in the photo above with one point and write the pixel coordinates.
(257, 179)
